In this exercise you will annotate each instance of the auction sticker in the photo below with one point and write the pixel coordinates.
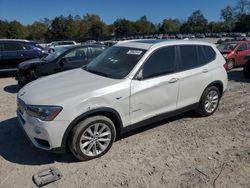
(134, 52)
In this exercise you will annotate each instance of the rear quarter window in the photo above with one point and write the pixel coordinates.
(210, 53)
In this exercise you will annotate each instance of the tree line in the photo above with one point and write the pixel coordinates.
(90, 26)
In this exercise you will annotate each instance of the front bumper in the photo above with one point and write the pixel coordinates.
(43, 135)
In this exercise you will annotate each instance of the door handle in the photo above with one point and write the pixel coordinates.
(205, 70)
(173, 80)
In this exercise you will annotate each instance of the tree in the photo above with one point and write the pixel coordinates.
(96, 27)
(216, 27)
(228, 16)
(170, 26)
(124, 27)
(243, 23)
(37, 31)
(242, 6)
(15, 30)
(3, 28)
(196, 23)
(143, 26)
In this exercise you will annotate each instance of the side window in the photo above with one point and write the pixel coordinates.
(242, 47)
(160, 62)
(201, 56)
(12, 47)
(76, 54)
(26, 47)
(210, 53)
(96, 51)
(189, 58)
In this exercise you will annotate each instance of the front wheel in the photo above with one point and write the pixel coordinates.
(92, 138)
(209, 101)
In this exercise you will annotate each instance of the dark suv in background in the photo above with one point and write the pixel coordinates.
(13, 52)
(63, 59)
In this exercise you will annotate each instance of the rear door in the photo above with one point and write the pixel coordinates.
(194, 69)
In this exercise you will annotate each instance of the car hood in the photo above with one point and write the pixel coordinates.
(58, 88)
(27, 63)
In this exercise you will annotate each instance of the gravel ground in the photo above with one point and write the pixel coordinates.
(184, 151)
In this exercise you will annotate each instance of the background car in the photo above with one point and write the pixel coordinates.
(235, 52)
(53, 45)
(13, 52)
(246, 70)
(65, 58)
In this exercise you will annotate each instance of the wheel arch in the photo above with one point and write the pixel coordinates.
(217, 84)
(112, 114)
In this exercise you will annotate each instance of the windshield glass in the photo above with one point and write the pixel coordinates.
(115, 62)
(55, 54)
(227, 46)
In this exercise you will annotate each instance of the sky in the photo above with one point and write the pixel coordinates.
(28, 11)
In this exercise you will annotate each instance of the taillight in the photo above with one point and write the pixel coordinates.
(225, 66)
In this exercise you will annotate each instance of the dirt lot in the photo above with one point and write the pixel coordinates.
(185, 151)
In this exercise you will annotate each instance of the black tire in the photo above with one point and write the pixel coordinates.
(201, 110)
(230, 64)
(246, 70)
(78, 131)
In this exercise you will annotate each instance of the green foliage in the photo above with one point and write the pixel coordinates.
(124, 27)
(227, 15)
(91, 26)
(143, 26)
(170, 26)
(196, 23)
(243, 24)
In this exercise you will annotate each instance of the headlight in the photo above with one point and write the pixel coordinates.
(44, 113)
(225, 55)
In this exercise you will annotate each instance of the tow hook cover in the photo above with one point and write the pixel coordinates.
(46, 176)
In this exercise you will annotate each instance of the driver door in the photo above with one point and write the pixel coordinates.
(154, 91)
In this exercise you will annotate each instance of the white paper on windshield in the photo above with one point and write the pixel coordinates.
(134, 52)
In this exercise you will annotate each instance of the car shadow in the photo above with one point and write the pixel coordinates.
(237, 76)
(12, 89)
(16, 148)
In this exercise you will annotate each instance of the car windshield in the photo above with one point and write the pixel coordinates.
(55, 54)
(115, 62)
(227, 46)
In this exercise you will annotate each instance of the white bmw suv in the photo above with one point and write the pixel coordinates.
(129, 85)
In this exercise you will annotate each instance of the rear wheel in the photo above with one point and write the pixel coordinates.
(209, 101)
(92, 137)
